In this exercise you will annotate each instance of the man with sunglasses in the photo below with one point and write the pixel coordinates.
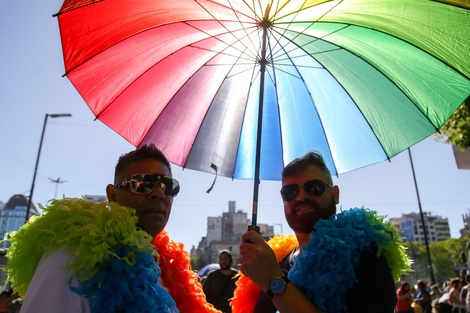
(143, 181)
(344, 262)
(81, 257)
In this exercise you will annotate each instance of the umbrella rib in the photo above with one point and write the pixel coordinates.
(232, 66)
(309, 42)
(309, 92)
(259, 19)
(236, 13)
(220, 40)
(365, 60)
(327, 140)
(311, 22)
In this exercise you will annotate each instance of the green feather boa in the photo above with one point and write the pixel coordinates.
(89, 230)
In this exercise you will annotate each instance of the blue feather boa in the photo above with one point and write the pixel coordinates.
(124, 287)
(324, 271)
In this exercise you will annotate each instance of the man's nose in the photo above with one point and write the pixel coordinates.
(302, 194)
(159, 190)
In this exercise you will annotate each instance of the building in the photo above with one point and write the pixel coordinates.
(225, 233)
(465, 231)
(411, 227)
(96, 198)
(13, 215)
(462, 158)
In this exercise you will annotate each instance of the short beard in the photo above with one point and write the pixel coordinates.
(225, 267)
(306, 224)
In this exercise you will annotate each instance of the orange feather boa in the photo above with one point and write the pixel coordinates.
(179, 278)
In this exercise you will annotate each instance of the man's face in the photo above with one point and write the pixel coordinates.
(305, 209)
(224, 261)
(153, 209)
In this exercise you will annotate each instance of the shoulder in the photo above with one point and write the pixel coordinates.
(374, 289)
(214, 274)
(50, 289)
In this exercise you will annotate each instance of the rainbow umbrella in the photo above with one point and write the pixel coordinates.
(243, 87)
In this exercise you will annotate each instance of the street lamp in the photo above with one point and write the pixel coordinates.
(281, 227)
(423, 223)
(28, 208)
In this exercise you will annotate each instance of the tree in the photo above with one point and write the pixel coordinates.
(456, 130)
(197, 262)
(445, 256)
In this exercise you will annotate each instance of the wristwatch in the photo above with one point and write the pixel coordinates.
(277, 286)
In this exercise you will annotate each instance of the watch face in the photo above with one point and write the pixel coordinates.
(278, 285)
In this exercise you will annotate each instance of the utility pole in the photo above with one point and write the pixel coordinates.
(57, 182)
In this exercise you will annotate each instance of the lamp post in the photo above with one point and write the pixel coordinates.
(28, 208)
(279, 224)
(423, 223)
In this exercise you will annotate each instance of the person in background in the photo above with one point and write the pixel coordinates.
(336, 262)
(464, 292)
(436, 294)
(403, 298)
(219, 285)
(458, 305)
(423, 298)
(467, 301)
(463, 277)
(99, 257)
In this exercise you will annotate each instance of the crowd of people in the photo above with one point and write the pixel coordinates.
(115, 256)
(451, 297)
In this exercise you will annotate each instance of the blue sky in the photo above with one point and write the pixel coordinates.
(84, 152)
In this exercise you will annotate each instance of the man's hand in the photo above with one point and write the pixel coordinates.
(258, 260)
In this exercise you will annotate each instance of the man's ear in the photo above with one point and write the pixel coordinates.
(336, 193)
(111, 193)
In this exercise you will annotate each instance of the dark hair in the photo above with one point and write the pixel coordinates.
(421, 284)
(228, 253)
(148, 151)
(454, 283)
(299, 164)
(404, 284)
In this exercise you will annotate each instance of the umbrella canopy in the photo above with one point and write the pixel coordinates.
(247, 86)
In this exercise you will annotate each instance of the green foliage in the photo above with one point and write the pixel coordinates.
(445, 256)
(197, 262)
(456, 130)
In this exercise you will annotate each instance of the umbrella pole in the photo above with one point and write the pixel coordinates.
(254, 214)
(431, 271)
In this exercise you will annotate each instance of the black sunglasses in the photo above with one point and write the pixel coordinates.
(145, 184)
(315, 187)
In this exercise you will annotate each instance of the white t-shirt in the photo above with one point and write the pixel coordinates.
(49, 290)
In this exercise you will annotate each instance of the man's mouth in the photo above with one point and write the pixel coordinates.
(304, 208)
(154, 211)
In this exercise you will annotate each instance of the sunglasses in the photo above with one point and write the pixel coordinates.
(315, 187)
(145, 184)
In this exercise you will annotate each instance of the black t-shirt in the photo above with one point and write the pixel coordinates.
(373, 292)
(219, 288)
